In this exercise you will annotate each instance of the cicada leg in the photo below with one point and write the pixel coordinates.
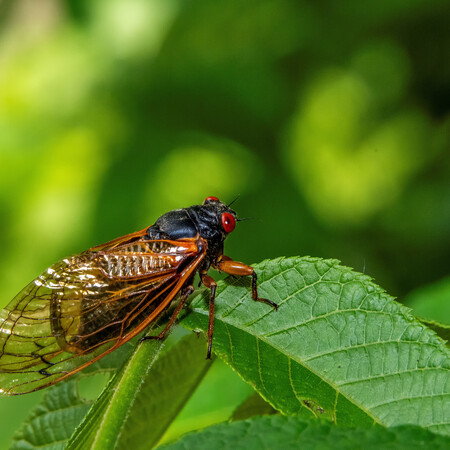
(227, 265)
(187, 291)
(211, 284)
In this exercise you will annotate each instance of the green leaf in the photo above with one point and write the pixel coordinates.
(441, 330)
(432, 301)
(144, 397)
(255, 405)
(105, 419)
(214, 401)
(62, 408)
(53, 421)
(284, 433)
(338, 345)
(168, 386)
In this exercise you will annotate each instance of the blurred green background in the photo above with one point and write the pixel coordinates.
(329, 119)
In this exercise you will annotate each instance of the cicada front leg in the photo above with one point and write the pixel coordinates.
(227, 265)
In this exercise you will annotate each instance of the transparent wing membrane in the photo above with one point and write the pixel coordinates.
(85, 306)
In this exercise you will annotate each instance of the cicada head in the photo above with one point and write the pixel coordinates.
(213, 221)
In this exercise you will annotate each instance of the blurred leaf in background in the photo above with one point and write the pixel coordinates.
(331, 120)
(432, 301)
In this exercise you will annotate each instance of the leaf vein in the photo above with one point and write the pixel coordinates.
(416, 397)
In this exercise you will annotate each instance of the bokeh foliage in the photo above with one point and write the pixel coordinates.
(330, 119)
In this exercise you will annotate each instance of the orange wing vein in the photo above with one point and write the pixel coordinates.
(85, 306)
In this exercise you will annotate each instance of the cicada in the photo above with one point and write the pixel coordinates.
(86, 306)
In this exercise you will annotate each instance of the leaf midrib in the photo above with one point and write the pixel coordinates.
(118, 391)
(182, 405)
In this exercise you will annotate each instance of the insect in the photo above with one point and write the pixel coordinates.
(84, 307)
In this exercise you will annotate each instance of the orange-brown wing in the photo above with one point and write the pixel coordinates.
(85, 306)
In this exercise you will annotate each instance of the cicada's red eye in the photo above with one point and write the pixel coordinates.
(211, 199)
(228, 222)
